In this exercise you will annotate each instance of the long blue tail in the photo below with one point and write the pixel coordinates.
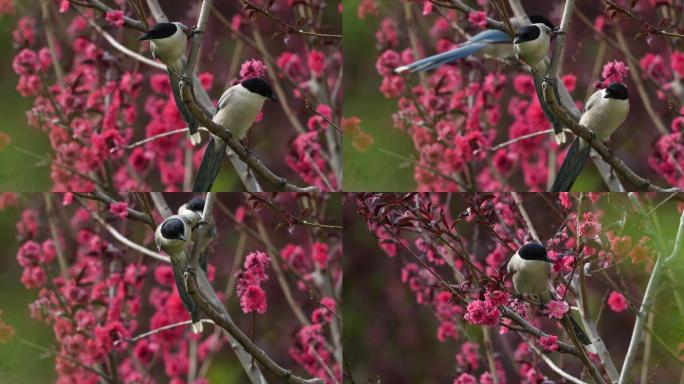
(195, 137)
(440, 59)
(210, 166)
(571, 167)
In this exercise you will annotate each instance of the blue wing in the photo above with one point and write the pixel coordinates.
(472, 46)
(491, 36)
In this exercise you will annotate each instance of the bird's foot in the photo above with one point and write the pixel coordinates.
(186, 80)
(549, 80)
(195, 31)
(199, 224)
(557, 31)
(593, 136)
(188, 271)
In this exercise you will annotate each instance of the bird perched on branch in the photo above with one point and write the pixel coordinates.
(191, 213)
(491, 42)
(168, 42)
(173, 236)
(531, 269)
(604, 112)
(237, 110)
(532, 43)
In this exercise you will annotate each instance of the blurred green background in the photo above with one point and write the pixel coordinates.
(390, 338)
(371, 170)
(374, 170)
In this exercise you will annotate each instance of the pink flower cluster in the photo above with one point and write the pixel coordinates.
(253, 273)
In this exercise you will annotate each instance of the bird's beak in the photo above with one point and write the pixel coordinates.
(273, 98)
(143, 37)
(182, 237)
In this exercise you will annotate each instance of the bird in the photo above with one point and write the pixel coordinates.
(173, 236)
(168, 42)
(491, 42)
(237, 110)
(605, 110)
(531, 44)
(191, 212)
(530, 267)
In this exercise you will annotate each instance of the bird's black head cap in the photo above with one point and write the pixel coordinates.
(260, 87)
(526, 33)
(173, 228)
(616, 91)
(539, 19)
(533, 251)
(196, 204)
(159, 31)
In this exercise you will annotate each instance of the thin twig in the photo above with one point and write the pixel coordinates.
(525, 216)
(553, 366)
(288, 28)
(114, 43)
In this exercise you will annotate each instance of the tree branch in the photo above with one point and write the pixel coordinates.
(129, 22)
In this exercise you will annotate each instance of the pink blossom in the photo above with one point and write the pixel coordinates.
(549, 343)
(320, 254)
(497, 298)
(617, 302)
(252, 68)
(465, 378)
(590, 226)
(366, 8)
(556, 308)
(120, 209)
(614, 72)
(64, 6)
(115, 18)
(447, 330)
(478, 18)
(482, 313)
(678, 63)
(253, 299)
(565, 201)
(316, 62)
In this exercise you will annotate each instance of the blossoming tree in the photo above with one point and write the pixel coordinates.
(109, 113)
(444, 258)
(273, 281)
(477, 124)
